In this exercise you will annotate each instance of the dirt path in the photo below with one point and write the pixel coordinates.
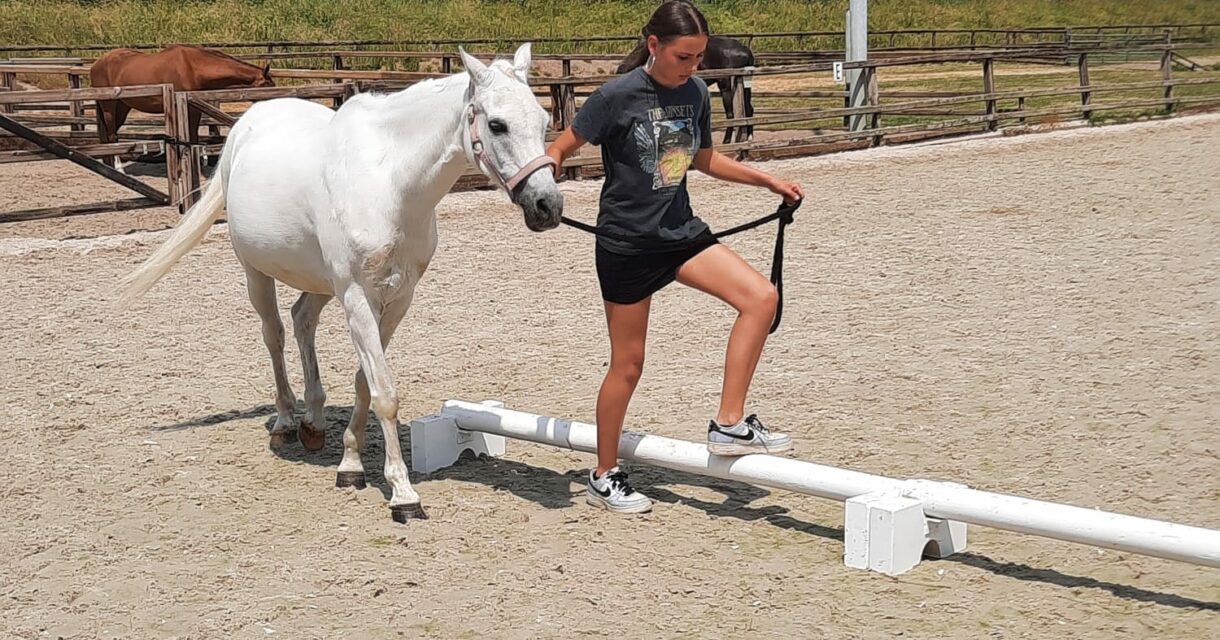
(1032, 315)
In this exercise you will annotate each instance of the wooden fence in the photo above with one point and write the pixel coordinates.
(561, 94)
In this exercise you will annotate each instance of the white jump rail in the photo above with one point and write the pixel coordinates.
(889, 524)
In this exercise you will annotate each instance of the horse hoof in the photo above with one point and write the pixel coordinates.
(282, 438)
(403, 512)
(311, 438)
(350, 479)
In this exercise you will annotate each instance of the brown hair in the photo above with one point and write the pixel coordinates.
(674, 19)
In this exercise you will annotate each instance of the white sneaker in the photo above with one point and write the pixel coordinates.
(612, 493)
(745, 437)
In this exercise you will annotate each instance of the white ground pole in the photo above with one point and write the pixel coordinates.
(889, 524)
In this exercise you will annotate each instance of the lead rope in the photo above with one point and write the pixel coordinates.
(785, 214)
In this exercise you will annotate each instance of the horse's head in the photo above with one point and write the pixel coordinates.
(264, 77)
(505, 136)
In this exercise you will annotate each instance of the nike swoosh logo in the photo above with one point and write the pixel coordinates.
(605, 493)
(749, 434)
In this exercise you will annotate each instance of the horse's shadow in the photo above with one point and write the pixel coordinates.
(553, 490)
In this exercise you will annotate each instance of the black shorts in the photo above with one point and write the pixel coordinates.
(627, 279)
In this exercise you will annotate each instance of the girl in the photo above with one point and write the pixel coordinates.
(652, 124)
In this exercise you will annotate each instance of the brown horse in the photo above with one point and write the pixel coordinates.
(186, 67)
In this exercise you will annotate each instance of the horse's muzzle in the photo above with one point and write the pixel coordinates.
(542, 207)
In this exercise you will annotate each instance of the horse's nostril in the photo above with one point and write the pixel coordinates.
(543, 206)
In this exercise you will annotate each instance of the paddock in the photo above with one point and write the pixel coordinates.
(1025, 314)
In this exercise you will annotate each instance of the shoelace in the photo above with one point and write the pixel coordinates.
(756, 424)
(618, 480)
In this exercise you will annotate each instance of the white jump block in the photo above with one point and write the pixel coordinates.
(889, 533)
(437, 442)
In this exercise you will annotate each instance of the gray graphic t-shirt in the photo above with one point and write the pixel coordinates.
(648, 135)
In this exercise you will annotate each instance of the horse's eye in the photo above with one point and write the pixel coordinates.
(497, 126)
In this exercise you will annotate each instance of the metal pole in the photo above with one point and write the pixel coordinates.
(857, 29)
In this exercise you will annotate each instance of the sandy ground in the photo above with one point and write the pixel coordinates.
(1033, 315)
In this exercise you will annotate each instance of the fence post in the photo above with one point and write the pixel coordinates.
(8, 80)
(568, 99)
(75, 108)
(874, 100)
(989, 89)
(1086, 96)
(1167, 77)
(739, 105)
(336, 64)
(188, 165)
(173, 153)
(563, 112)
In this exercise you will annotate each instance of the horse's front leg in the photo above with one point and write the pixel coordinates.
(110, 116)
(371, 331)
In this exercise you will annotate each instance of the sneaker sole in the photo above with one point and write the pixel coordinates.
(597, 501)
(727, 449)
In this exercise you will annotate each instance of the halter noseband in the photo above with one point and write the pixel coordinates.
(480, 154)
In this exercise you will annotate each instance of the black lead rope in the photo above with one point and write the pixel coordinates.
(784, 214)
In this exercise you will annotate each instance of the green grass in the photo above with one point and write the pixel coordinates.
(163, 21)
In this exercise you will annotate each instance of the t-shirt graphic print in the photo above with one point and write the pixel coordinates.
(667, 144)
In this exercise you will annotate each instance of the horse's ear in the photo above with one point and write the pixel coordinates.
(521, 62)
(479, 73)
(267, 68)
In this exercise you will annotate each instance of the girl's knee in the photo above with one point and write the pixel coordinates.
(628, 368)
(763, 299)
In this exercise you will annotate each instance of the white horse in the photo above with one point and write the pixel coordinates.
(341, 204)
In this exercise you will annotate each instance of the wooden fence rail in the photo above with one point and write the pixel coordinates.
(563, 93)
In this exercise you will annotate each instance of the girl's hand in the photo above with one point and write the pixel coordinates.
(790, 191)
(557, 156)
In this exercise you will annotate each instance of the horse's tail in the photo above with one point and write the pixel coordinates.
(189, 232)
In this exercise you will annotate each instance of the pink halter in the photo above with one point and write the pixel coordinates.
(480, 153)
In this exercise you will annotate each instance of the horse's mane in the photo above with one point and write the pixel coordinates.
(213, 53)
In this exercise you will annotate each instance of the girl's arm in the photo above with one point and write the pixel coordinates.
(563, 147)
(722, 167)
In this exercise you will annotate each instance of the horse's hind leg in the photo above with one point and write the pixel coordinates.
(749, 112)
(261, 289)
(371, 332)
(726, 96)
(351, 468)
(305, 315)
